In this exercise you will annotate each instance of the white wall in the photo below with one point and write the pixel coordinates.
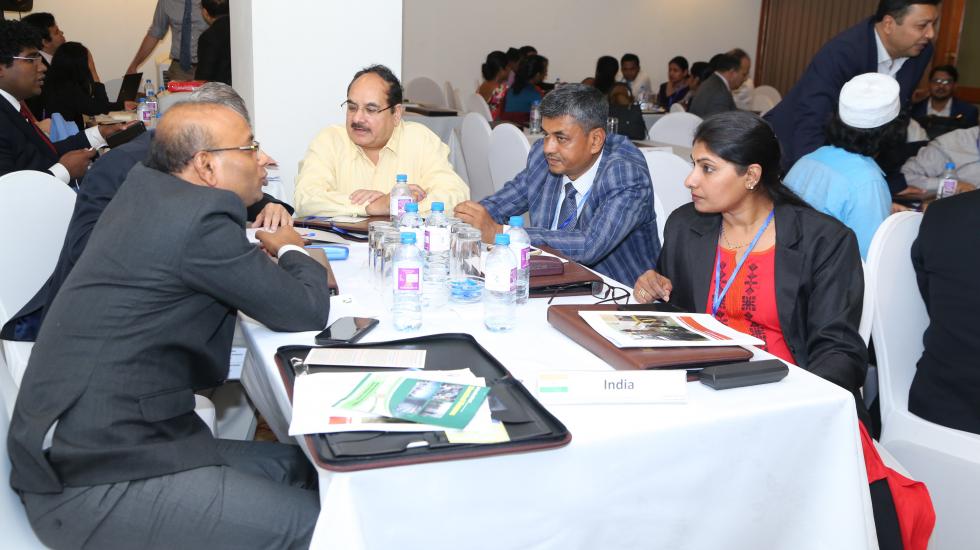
(292, 66)
(111, 29)
(449, 39)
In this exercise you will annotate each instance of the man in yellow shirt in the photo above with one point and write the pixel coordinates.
(351, 170)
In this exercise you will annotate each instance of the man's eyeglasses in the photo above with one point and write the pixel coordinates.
(33, 58)
(369, 110)
(254, 147)
(942, 81)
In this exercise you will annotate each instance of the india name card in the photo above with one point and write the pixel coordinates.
(590, 387)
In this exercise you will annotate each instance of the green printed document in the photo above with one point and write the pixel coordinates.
(446, 404)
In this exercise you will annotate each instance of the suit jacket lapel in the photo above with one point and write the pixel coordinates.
(788, 266)
(25, 128)
(589, 209)
(701, 257)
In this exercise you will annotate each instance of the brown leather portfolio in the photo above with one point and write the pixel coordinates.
(566, 319)
(575, 280)
(356, 232)
(318, 255)
(428, 110)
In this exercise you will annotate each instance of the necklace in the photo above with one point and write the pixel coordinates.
(729, 244)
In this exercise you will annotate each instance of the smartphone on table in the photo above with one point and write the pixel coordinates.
(346, 330)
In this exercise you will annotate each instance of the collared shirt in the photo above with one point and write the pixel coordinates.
(47, 57)
(725, 80)
(887, 65)
(95, 139)
(582, 186)
(334, 167)
(640, 83)
(945, 111)
(169, 14)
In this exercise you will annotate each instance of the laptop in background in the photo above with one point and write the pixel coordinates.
(130, 88)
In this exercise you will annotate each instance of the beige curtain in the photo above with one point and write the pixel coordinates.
(793, 30)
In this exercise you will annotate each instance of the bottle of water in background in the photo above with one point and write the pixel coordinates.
(148, 89)
(535, 122)
(406, 274)
(400, 196)
(499, 292)
(151, 100)
(520, 244)
(947, 187)
(143, 113)
(410, 221)
(435, 293)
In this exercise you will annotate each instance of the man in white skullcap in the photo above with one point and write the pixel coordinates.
(842, 179)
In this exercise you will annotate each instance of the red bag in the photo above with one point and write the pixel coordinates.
(184, 85)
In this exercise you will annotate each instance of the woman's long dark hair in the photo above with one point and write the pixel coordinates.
(70, 66)
(743, 138)
(605, 73)
(867, 141)
(496, 62)
(528, 67)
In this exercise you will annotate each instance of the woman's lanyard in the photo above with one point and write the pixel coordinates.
(719, 296)
(574, 214)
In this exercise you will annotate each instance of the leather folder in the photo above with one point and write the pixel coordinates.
(575, 280)
(530, 426)
(428, 110)
(321, 258)
(566, 319)
(357, 232)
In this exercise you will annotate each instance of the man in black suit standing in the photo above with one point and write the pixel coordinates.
(23, 145)
(214, 45)
(105, 446)
(715, 93)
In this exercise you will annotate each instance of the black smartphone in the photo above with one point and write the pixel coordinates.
(125, 136)
(346, 330)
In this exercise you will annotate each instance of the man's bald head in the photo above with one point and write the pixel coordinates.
(186, 129)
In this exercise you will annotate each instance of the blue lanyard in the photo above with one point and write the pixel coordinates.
(719, 296)
(574, 215)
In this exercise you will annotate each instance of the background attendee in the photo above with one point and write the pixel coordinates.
(177, 16)
(494, 86)
(527, 51)
(925, 170)
(350, 170)
(743, 94)
(676, 87)
(700, 70)
(842, 179)
(513, 60)
(531, 71)
(606, 69)
(71, 89)
(946, 386)
(214, 44)
(942, 112)
(588, 195)
(51, 39)
(627, 111)
(809, 314)
(633, 76)
(896, 41)
(714, 95)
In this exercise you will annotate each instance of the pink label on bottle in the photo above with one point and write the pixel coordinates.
(401, 205)
(408, 278)
(525, 257)
(513, 279)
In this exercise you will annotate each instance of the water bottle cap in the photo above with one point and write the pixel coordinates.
(142, 100)
(536, 102)
(408, 237)
(401, 178)
(412, 207)
(950, 165)
(502, 238)
(516, 221)
(438, 207)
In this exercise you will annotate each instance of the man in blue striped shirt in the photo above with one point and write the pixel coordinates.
(588, 194)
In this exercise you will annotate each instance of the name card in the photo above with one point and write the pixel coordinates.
(590, 387)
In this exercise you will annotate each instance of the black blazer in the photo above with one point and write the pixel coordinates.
(146, 318)
(946, 386)
(712, 97)
(73, 101)
(214, 52)
(819, 285)
(101, 184)
(22, 149)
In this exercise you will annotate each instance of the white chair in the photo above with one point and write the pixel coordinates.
(474, 103)
(17, 532)
(768, 92)
(508, 154)
(675, 129)
(658, 210)
(169, 100)
(946, 460)
(761, 104)
(667, 172)
(677, 108)
(425, 90)
(454, 100)
(475, 138)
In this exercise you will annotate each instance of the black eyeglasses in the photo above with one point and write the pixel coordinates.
(254, 147)
(369, 110)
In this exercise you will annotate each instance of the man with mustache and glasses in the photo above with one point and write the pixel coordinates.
(896, 41)
(350, 170)
(588, 194)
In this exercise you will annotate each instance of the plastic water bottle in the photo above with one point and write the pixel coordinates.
(143, 113)
(151, 100)
(400, 196)
(520, 244)
(499, 292)
(947, 187)
(535, 122)
(406, 274)
(435, 293)
(148, 89)
(410, 221)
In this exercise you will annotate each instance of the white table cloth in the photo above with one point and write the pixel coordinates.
(772, 466)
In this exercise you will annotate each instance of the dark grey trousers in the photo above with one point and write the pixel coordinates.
(265, 498)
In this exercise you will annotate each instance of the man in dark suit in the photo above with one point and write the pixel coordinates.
(146, 317)
(214, 45)
(23, 145)
(101, 184)
(946, 386)
(942, 112)
(896, 41)
(714, 95)
(51, 39)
